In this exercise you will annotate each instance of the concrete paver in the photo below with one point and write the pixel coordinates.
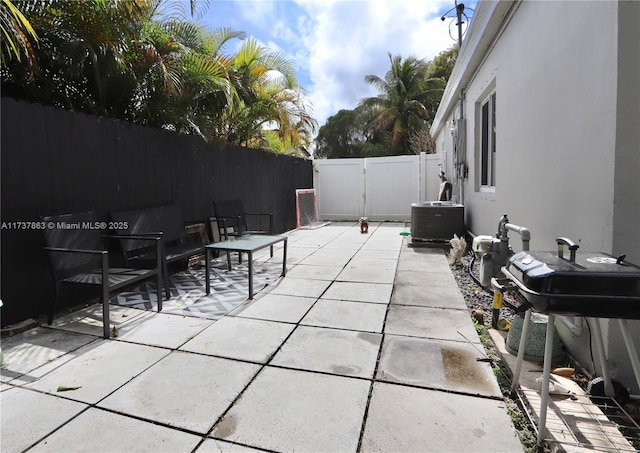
(343, 352)
(315, 272)
(277, 307)
(406, 419)
(100, 431)
(25, 352)
(176, 330)
(220, 446)
(426, 295)
(89, 321)
(253, 340)
(183, 390)
(426, 279)
(445, 365)
(289, 410)
(301, 287)
(429, 322)
(28, 416)
(342, 314)
(98, 369)
(368, 274)
(359, 292)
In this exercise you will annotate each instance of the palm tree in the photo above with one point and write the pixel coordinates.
(17, 35)
(83, 54)
(401, 101)
(145, 61)
(265, 96)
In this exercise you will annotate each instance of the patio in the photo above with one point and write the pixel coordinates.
(354, 350)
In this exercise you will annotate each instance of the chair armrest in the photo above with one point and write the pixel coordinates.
(140, 236)
(264, 214)
(67, 250)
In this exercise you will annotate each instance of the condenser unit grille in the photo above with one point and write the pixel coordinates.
(436, 221)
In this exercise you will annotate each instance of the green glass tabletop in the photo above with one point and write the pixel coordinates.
(247, 243)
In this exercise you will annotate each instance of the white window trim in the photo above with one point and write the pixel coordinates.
(488, 99)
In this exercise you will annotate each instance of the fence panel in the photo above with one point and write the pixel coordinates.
(56, 161)
(340, 188)
(392, 184)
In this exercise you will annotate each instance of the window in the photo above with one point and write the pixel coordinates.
(488, 142)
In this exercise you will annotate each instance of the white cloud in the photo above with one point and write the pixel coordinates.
(336, 43)
(347, 40)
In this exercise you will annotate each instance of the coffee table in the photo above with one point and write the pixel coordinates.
(247, 243)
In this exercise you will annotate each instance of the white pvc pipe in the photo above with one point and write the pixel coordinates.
(575, 324)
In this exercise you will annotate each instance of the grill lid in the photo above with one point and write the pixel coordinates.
(585, 284)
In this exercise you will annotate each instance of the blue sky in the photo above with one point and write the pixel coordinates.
(336, 43)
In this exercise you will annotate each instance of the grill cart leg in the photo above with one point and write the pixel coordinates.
(523, 344)
(631, 349)
(546, 372)
(602, 358)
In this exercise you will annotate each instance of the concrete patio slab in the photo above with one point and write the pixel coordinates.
(315, 272)
(184, 390)
(429, 296)
(276, 307)
(29, 350)
(89, 320)
(343, 244)
(296, 254)
(247, 339)
(339, 259)
(425, 278)
(301, 287)
(434, 323)
(342, 352)
(29, 416)
(220, 446)
(445, 365)
(421, 266)
(98, 369)
(392, 241)
(176, 330)
(341, 314)
(359, 292)
(100, 431)
(367, 274)
(374, 254)
(406, 419)
(292, 411)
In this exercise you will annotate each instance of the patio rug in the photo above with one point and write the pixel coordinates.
(229, 289)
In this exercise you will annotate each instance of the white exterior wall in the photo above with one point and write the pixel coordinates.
(555, 137)
(567, 133)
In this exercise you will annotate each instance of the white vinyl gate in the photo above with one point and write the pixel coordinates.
(380, 188)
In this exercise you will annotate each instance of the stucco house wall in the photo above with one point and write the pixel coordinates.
(567, 132)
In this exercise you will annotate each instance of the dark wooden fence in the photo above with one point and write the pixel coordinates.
(56, 161)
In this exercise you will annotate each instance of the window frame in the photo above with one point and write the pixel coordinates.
(486, 150)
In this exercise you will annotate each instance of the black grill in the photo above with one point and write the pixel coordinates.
(585, 284)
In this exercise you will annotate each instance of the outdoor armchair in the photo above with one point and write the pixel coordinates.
(231, 220)
(75, 243)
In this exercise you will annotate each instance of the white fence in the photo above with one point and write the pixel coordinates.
(381, 188)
